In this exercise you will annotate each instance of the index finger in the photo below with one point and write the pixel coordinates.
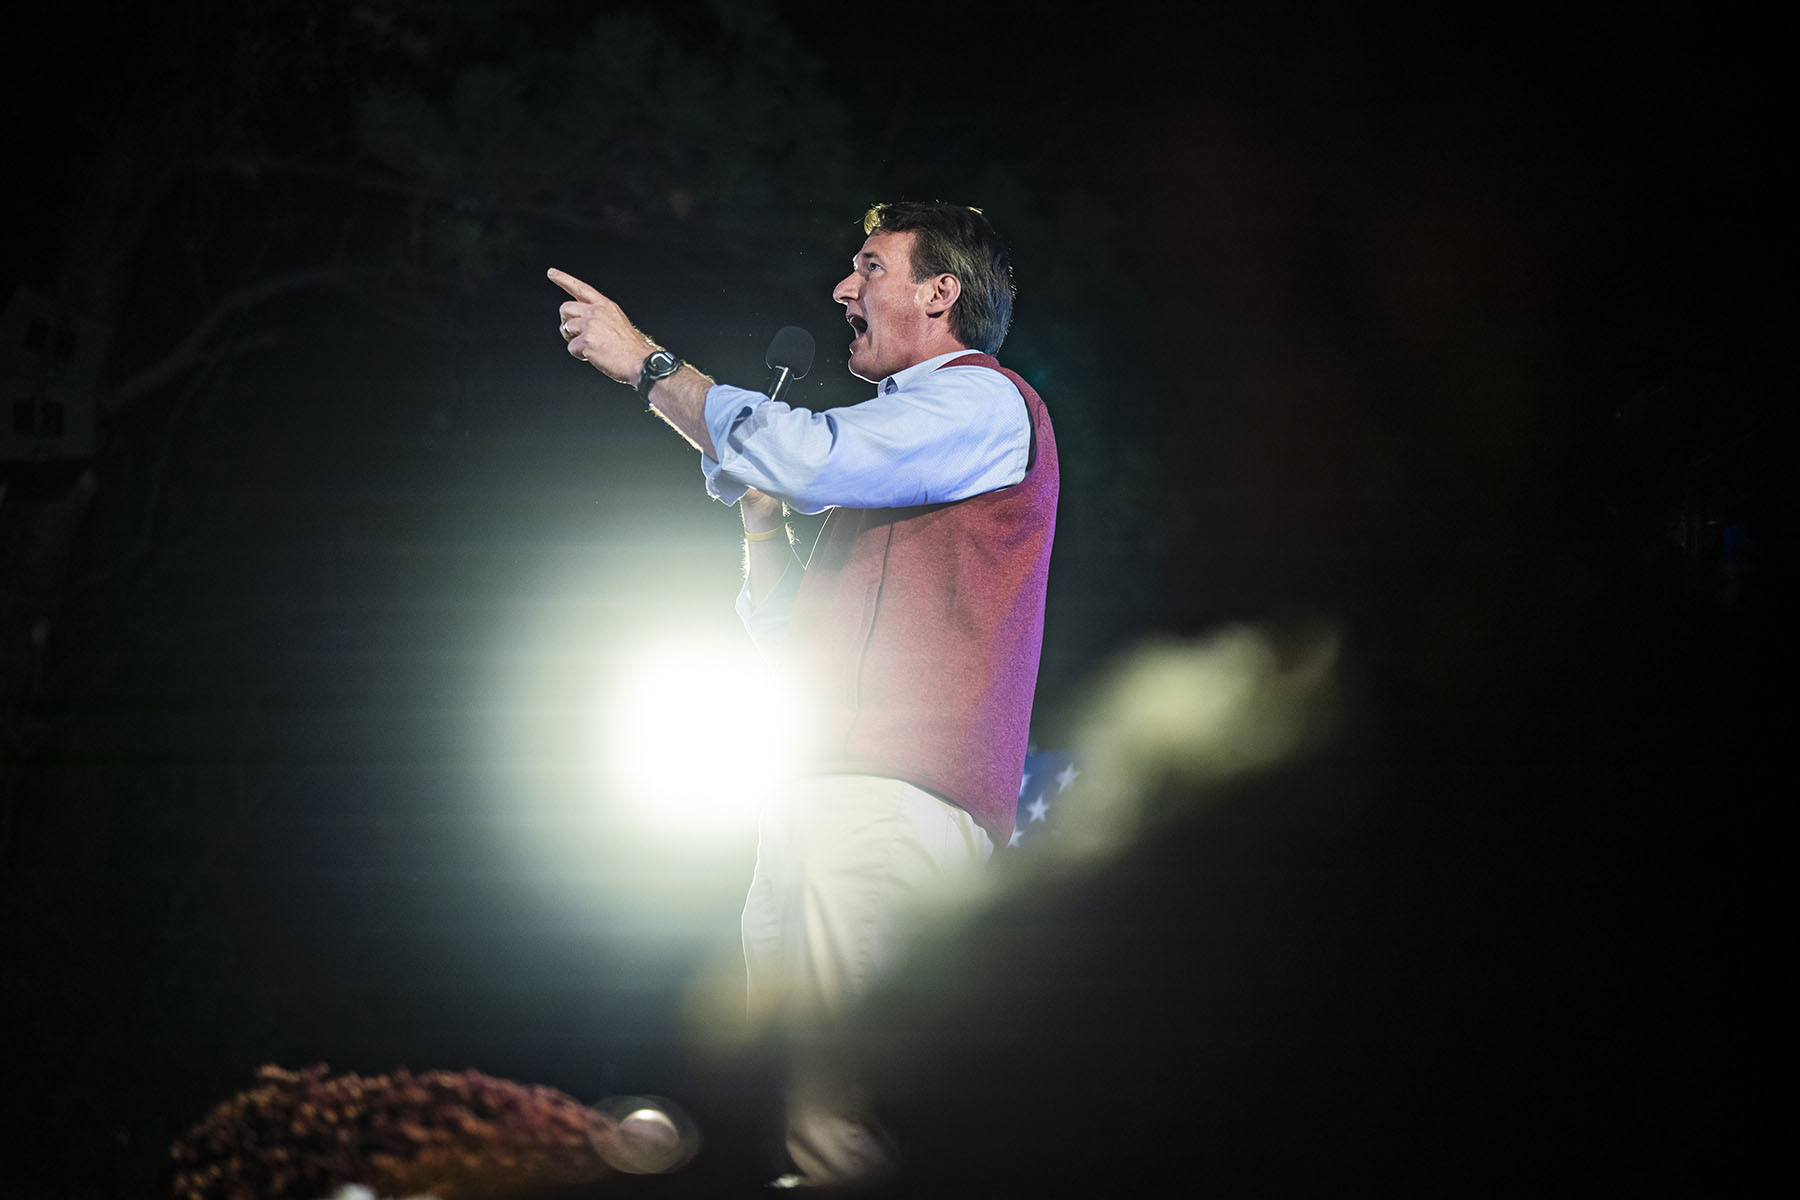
(583, 292)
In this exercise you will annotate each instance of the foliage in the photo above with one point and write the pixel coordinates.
(455, 1135)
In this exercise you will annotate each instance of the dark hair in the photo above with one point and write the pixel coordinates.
(956, 240)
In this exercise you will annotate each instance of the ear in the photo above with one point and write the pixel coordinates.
(939, 293)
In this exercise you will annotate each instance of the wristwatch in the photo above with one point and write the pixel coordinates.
(660, 365)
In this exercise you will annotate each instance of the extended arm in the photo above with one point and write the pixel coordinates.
(945, 435)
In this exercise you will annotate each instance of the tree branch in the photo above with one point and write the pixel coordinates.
(193, 350)
(610, 219)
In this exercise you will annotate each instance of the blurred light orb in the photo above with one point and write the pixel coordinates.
(696, 734)
(651, 1135)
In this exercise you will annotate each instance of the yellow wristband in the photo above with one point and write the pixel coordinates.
(764, 535)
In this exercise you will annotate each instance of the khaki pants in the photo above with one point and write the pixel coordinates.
(844, 864)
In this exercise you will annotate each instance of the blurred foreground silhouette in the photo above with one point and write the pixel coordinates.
(1456, 952)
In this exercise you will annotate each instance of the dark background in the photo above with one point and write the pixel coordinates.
(1459, 328)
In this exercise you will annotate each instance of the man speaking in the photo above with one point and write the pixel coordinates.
(913, 631)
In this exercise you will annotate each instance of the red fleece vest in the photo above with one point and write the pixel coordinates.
(918, 630)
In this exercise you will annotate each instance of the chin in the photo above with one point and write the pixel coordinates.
(862, 369)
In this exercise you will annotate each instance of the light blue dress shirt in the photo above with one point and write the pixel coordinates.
(927, 436)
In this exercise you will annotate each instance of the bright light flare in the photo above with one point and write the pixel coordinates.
(696, 734)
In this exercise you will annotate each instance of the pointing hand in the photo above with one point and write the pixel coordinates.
(598, 331)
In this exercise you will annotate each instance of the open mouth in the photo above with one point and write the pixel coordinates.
(857, 324)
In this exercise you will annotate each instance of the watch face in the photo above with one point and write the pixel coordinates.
(660, 364)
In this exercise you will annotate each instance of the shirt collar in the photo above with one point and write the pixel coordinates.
(905, 378)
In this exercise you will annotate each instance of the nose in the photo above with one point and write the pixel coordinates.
(847, 289)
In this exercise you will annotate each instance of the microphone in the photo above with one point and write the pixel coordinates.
(790, 357)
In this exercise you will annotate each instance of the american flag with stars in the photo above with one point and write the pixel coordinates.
(1048, 775)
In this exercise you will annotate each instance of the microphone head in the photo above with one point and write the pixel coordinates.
(792, 348)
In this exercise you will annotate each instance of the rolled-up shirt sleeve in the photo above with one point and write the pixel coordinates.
(945, 434)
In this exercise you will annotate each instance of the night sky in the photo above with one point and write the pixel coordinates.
(1456, 329)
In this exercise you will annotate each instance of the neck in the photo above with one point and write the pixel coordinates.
(942, 344)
